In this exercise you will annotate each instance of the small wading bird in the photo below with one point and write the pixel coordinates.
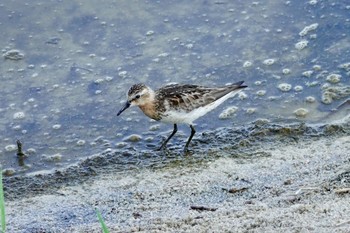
(177, 103)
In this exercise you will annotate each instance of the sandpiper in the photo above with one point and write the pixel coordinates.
(178, 103)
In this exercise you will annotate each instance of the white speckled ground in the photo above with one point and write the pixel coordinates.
(287, 188)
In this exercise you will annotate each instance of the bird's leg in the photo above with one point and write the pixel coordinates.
(167, 140)
(193, 131)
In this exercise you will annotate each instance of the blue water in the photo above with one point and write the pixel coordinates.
(80, 58)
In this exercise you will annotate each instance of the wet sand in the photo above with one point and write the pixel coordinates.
(293, 179)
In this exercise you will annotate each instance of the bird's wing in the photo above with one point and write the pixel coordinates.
(189, 97)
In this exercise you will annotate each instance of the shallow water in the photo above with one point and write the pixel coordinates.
(79, 59)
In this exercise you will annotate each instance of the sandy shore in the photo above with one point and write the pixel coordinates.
(280, 185)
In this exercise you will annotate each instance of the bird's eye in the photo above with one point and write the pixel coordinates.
(137, 96)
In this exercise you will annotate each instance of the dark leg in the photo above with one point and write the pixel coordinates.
(193, 131)
(167, 140)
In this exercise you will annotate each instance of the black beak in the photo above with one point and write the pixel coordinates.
(127, 104)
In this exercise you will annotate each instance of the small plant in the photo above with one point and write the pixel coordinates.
(2, 205)
(103, 225)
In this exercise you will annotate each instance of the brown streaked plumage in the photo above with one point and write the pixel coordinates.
(177, 103)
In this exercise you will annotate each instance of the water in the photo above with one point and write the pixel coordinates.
(80, 58)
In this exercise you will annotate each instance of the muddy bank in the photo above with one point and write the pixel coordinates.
(264, 177)
(247, 142)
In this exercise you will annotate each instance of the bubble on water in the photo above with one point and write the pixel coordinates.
(307, 73)
(301, 44)
(333, 78)
(345, 66)
(276, 77)
(123, 74)
(81, 142)
(154, 127)
(52, 158)
(284, 87)
(149, 33)
(258, 83)
(269, 62)
(109, 78)
(10, 148)
(228, 112)
(317, 67)
(310, 99)
(330, 93)
(301, 112)
(327, 98)
(286, 71)
(261, 92)
(56, 126)
(19, 115)
(242, 95)
(308, 29)
(273, 98)
(298, 88)
(98, 81)
(31, 151)
(189, 46)
(250, 110)
(16, 127)
(247, 64)
(311, 84)
(163, 55)
(313, 2)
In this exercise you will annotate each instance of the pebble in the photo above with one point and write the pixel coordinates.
(121, 144)
(9, 172)
(133, 138)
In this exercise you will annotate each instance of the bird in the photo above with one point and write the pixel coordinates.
(179, 103)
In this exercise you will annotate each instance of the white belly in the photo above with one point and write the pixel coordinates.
(178, 116)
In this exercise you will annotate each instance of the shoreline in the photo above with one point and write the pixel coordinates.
(277, 184)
